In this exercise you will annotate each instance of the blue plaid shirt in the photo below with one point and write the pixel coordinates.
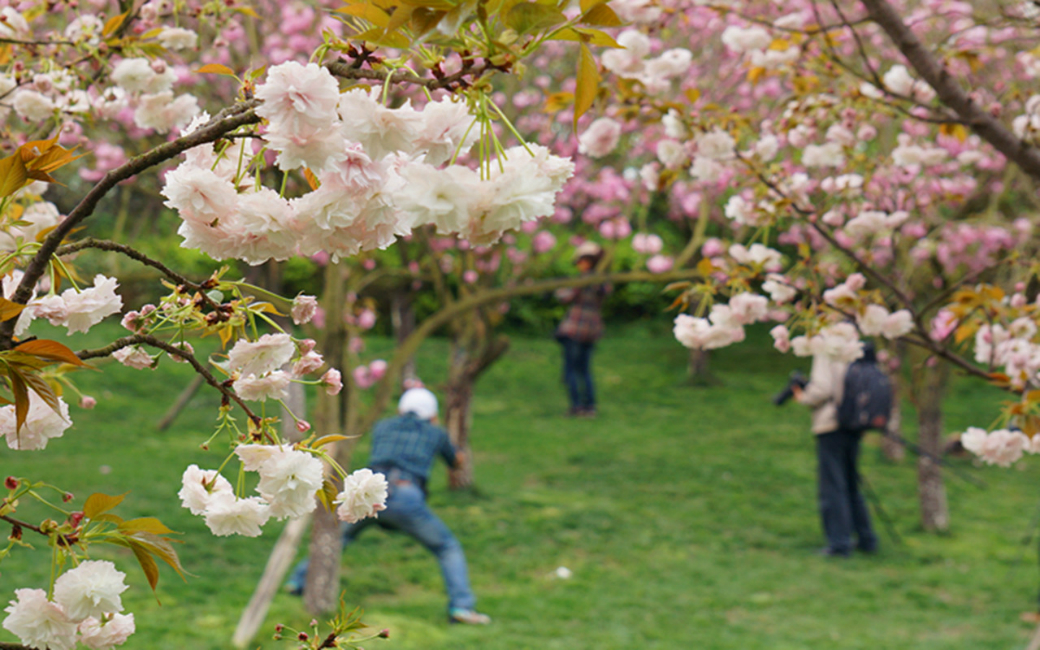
(410, 444)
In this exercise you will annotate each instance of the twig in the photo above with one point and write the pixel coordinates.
(148, 339)
(346, 70)
(22, 524)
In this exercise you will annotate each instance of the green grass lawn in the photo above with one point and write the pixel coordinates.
(687, 516)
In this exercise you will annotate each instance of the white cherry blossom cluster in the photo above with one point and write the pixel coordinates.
(634, 62)
(1012, 349)
(1001, 447)
(724, 324)
(147, 87)
(288, 485)
(86, 609)
(381, 173)
(75, 309)
(42, 423)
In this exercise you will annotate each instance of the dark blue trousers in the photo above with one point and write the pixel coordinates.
(842, 507)
(577, 373)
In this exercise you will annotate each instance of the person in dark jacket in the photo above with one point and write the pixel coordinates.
(579, 331)
(404, 449)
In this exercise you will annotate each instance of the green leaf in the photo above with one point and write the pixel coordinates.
(42, 388)
(369, 12)
(324, 440)
(160, 547)
(113, 23)
(587, 84)
(585, 35)
(99, 503)
(144, 525)
(148, 565)
(327, 494)
(529, 17)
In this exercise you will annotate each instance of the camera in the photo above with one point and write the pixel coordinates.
(796, 379)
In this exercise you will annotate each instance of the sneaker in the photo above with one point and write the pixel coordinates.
(467, 617)
(587, 412)
(827, 551)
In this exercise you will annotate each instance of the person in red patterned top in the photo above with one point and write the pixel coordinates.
(579, 331)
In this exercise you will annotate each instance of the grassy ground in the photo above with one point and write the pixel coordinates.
(687, 516)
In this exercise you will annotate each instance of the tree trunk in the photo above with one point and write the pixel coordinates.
(402, 318)
(935, 515)
(321, 589)
(698, 367)
(892, 449)
(457, 420)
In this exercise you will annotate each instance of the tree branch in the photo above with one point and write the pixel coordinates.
(346, 70)
(22, 524)
(148, 339)
(949, 91)
(106, 245)
(15, 646)
(228, 120)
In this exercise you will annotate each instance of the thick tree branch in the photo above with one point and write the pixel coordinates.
(15, 646)
(228, 120)
(950, 91)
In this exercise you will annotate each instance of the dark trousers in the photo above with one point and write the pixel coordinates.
(577, 374)
(842, 507)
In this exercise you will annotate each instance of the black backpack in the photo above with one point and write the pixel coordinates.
(867, 402)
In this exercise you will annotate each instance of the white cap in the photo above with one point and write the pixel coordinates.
(419, 401)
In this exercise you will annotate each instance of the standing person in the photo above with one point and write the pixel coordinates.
(579, 331)
(843, 509)
(403, 449)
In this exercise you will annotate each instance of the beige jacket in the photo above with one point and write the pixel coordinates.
(823, 393)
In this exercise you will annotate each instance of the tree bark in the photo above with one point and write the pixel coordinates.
(402, 318)
(458, 419)
(891, 448)
(321, 589)
(935, 515)
(698, 368)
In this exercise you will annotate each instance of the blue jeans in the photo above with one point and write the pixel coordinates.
(577, 373)
(407, 512)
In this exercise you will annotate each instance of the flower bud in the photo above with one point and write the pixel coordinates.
(11, 483)
(384, 634)
(303, 426)
(87, 402)
(302, 636)
(68, 496)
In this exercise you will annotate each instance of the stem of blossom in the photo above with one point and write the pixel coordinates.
(951, 93)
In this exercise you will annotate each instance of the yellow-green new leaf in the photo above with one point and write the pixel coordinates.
(601, 15)
(9, 309)
(145, 525)
(113, 23)
(529, 17)
(98, 504)
(13, 174)
(369, 12)
(587, 84)
(325, 440)
(216, 68)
